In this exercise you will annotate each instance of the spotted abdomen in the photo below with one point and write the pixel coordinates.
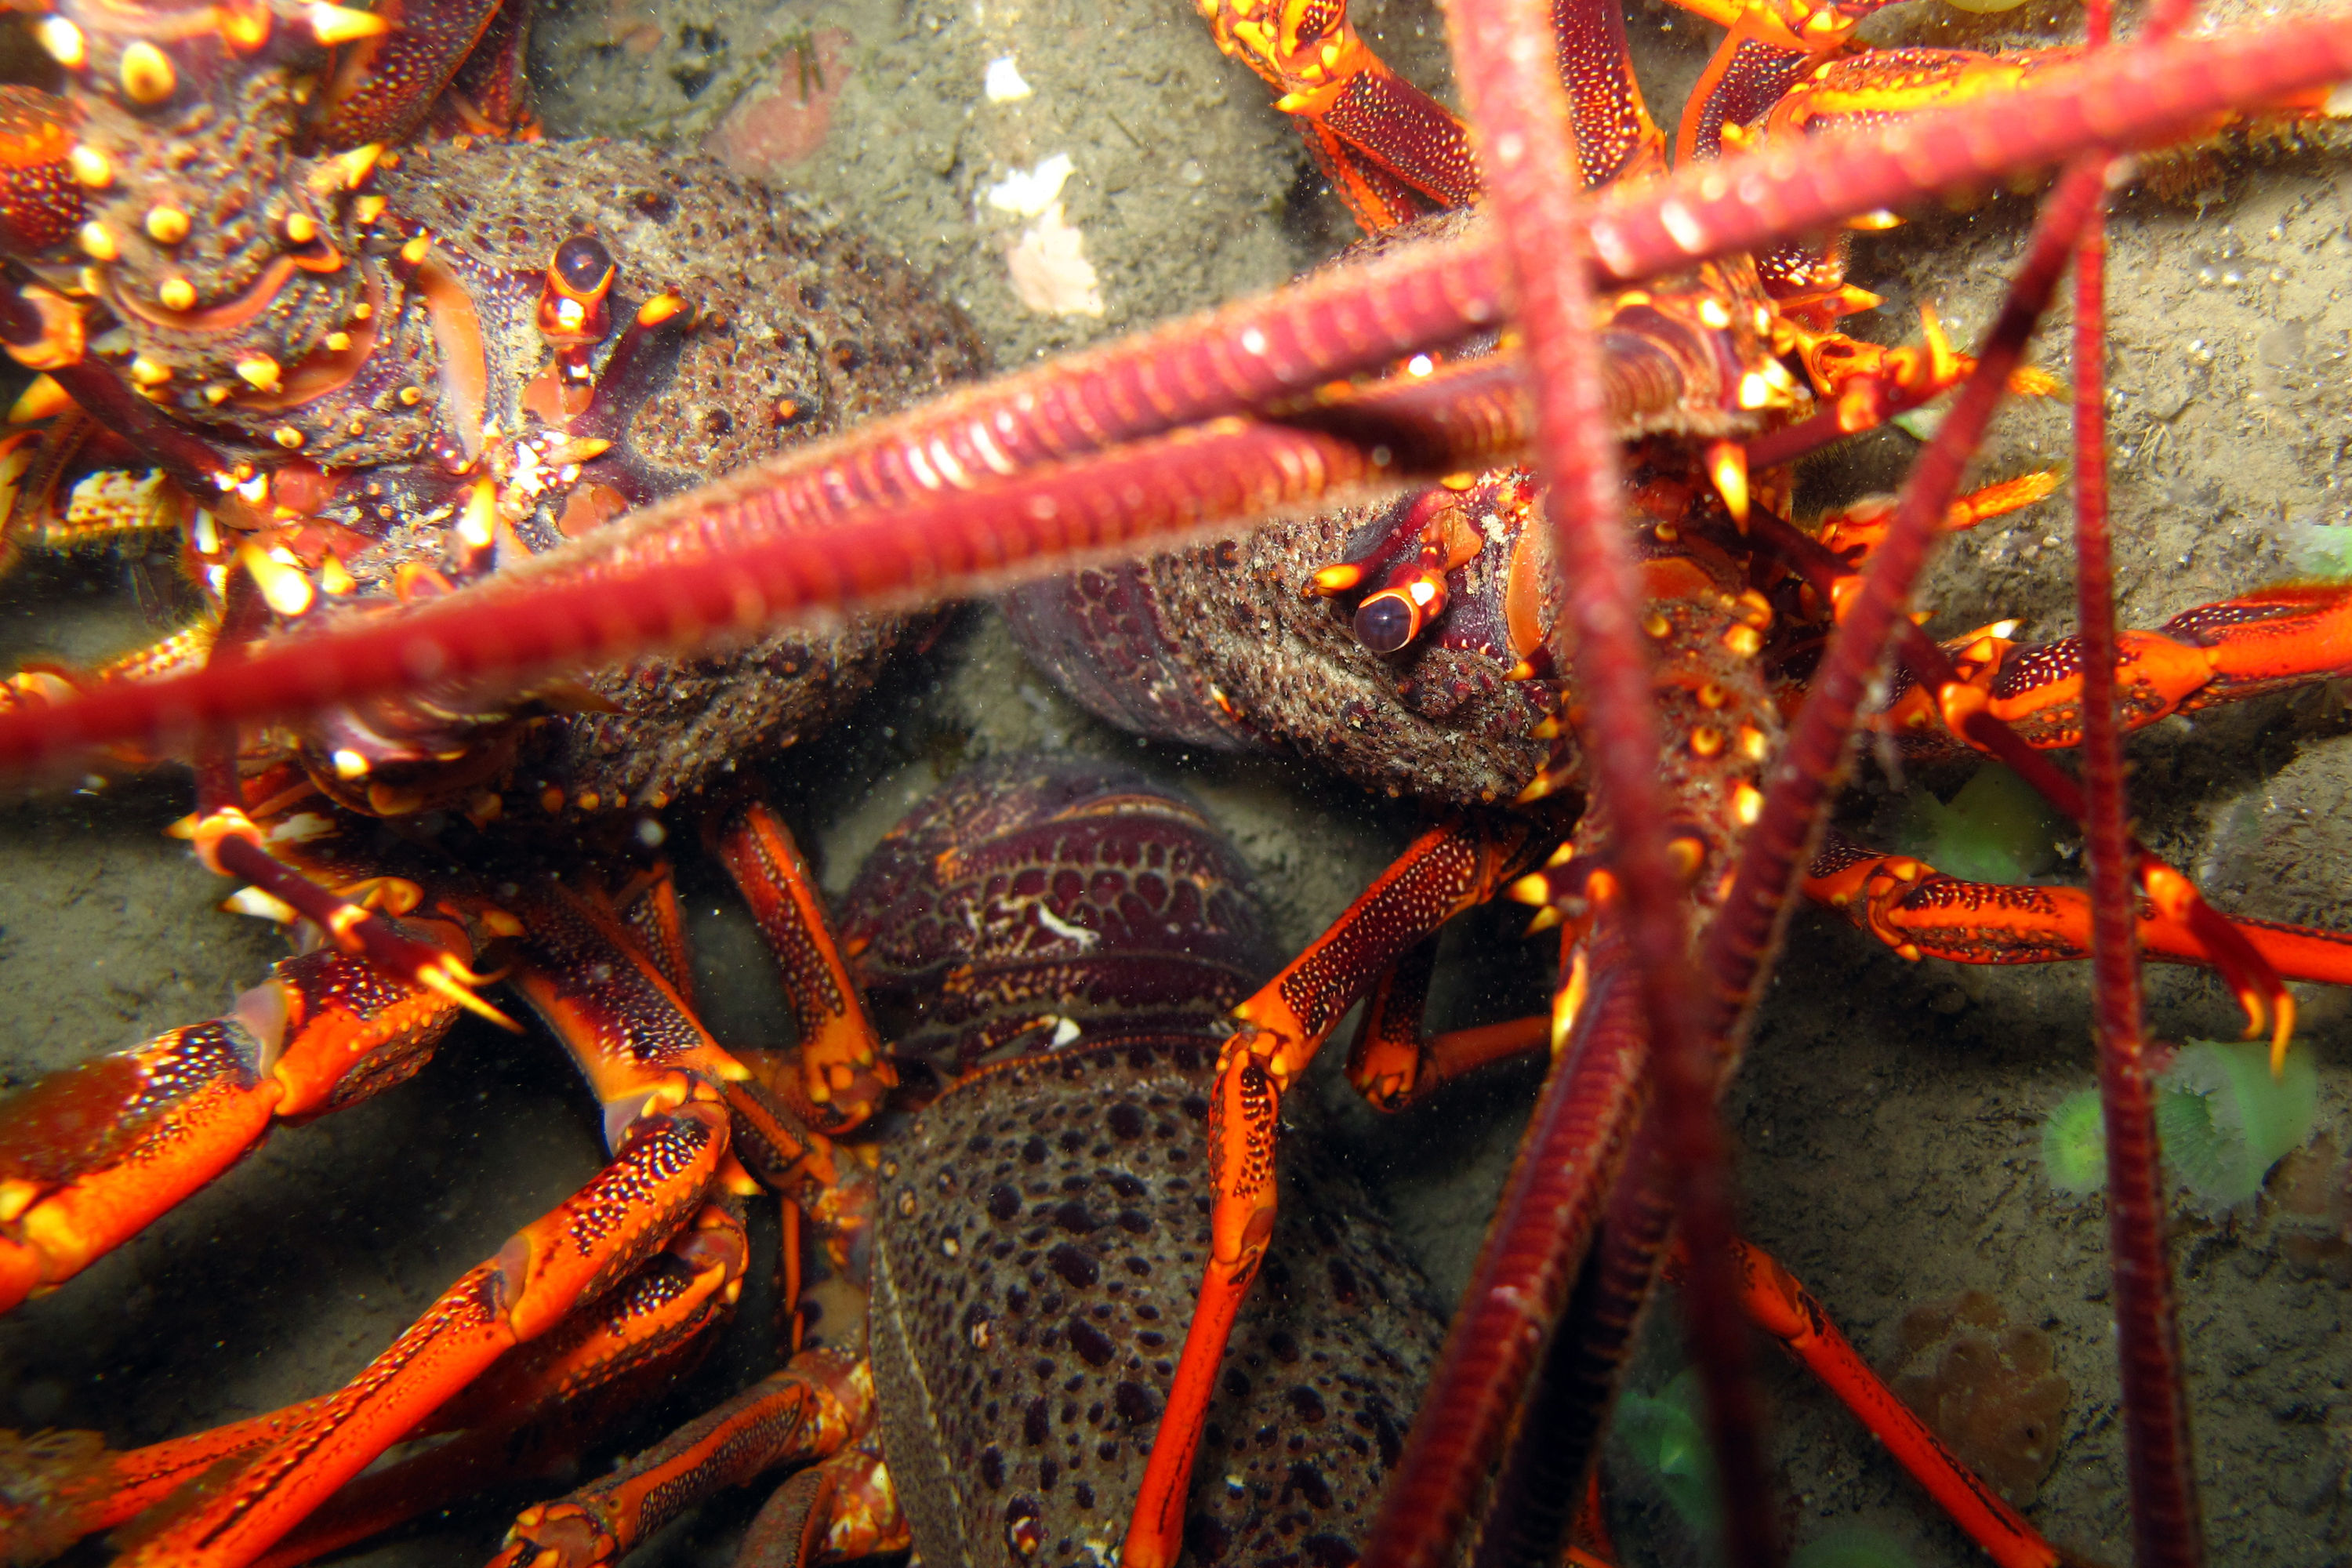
(1043, 1224)
(1043, 1234)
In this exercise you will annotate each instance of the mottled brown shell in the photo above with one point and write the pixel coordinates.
(1218, 645)
(1232, 645)
(1036, 901)
(802, 327)
(1043, 1231)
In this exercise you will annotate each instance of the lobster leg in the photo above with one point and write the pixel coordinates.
(230, 844)
(1778, 1304)
(809, 1411)
(844, 1071)
(1765, 47)
(383, 84)
(1391, 153)
(2266, 641)
(840, 1509)
(1962, 708)
(63, 1486)
(1394, 1064)
(89, 1156)
(657, 1075)
(657, 1179)
(530, 1412)
(1920, 912)
(535, 1409)
(1445, 871)
(657, 925)
(816, 1408)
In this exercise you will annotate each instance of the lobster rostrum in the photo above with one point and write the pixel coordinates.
(951, 524)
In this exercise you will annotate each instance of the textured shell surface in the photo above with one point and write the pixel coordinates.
(1042, 1235)
(802, 326)
(1033, 900)
(1042, 1226)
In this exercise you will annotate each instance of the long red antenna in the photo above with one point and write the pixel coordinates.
(1527, 150)
(2123, 97)
(2167, 1531)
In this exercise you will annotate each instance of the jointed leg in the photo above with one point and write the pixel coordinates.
(655, 1180)
(811, 1410)
(843, 1069)
(657, 1075)
(1781, 1306)
(1920, 912)
(1445, 871)
(1394, 1064)
(537, 1408)
(89, 1156)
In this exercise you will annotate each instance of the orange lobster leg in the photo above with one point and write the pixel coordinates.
(654, 1181)
(666, 1303)
(1392, 153)
(89, 1156)
(63, 1486)
(1765, 47)
(1445, 871)
(1777, 1303)
(535, 1410)
(1393, 1064)
(1919, 912)
(649, 908)
(835, 1511)
(657, 1075)
(2224, 652)
(645, 1325)
(843, 1067)
(809, 1411)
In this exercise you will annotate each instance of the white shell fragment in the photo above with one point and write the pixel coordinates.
(1051, 273)
(1029, 192)
(1002, 83)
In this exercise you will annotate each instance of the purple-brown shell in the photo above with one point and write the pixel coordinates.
(1041, 1233)
(1035, 901)
(1042, 1227)
(1218, 645)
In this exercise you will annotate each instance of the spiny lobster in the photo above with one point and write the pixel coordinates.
(1243, 465)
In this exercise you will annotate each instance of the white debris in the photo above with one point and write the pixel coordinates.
(1066, 930)
(1029, 192)
(260, 905)
(1003, 84)
(1051, 273)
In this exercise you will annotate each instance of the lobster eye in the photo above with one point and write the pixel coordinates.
(583, 266)
(1385, 622)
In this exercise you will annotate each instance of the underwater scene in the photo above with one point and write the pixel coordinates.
(829, 1070)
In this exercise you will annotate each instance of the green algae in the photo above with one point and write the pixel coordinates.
(1998, 828)
(2222, 1120)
